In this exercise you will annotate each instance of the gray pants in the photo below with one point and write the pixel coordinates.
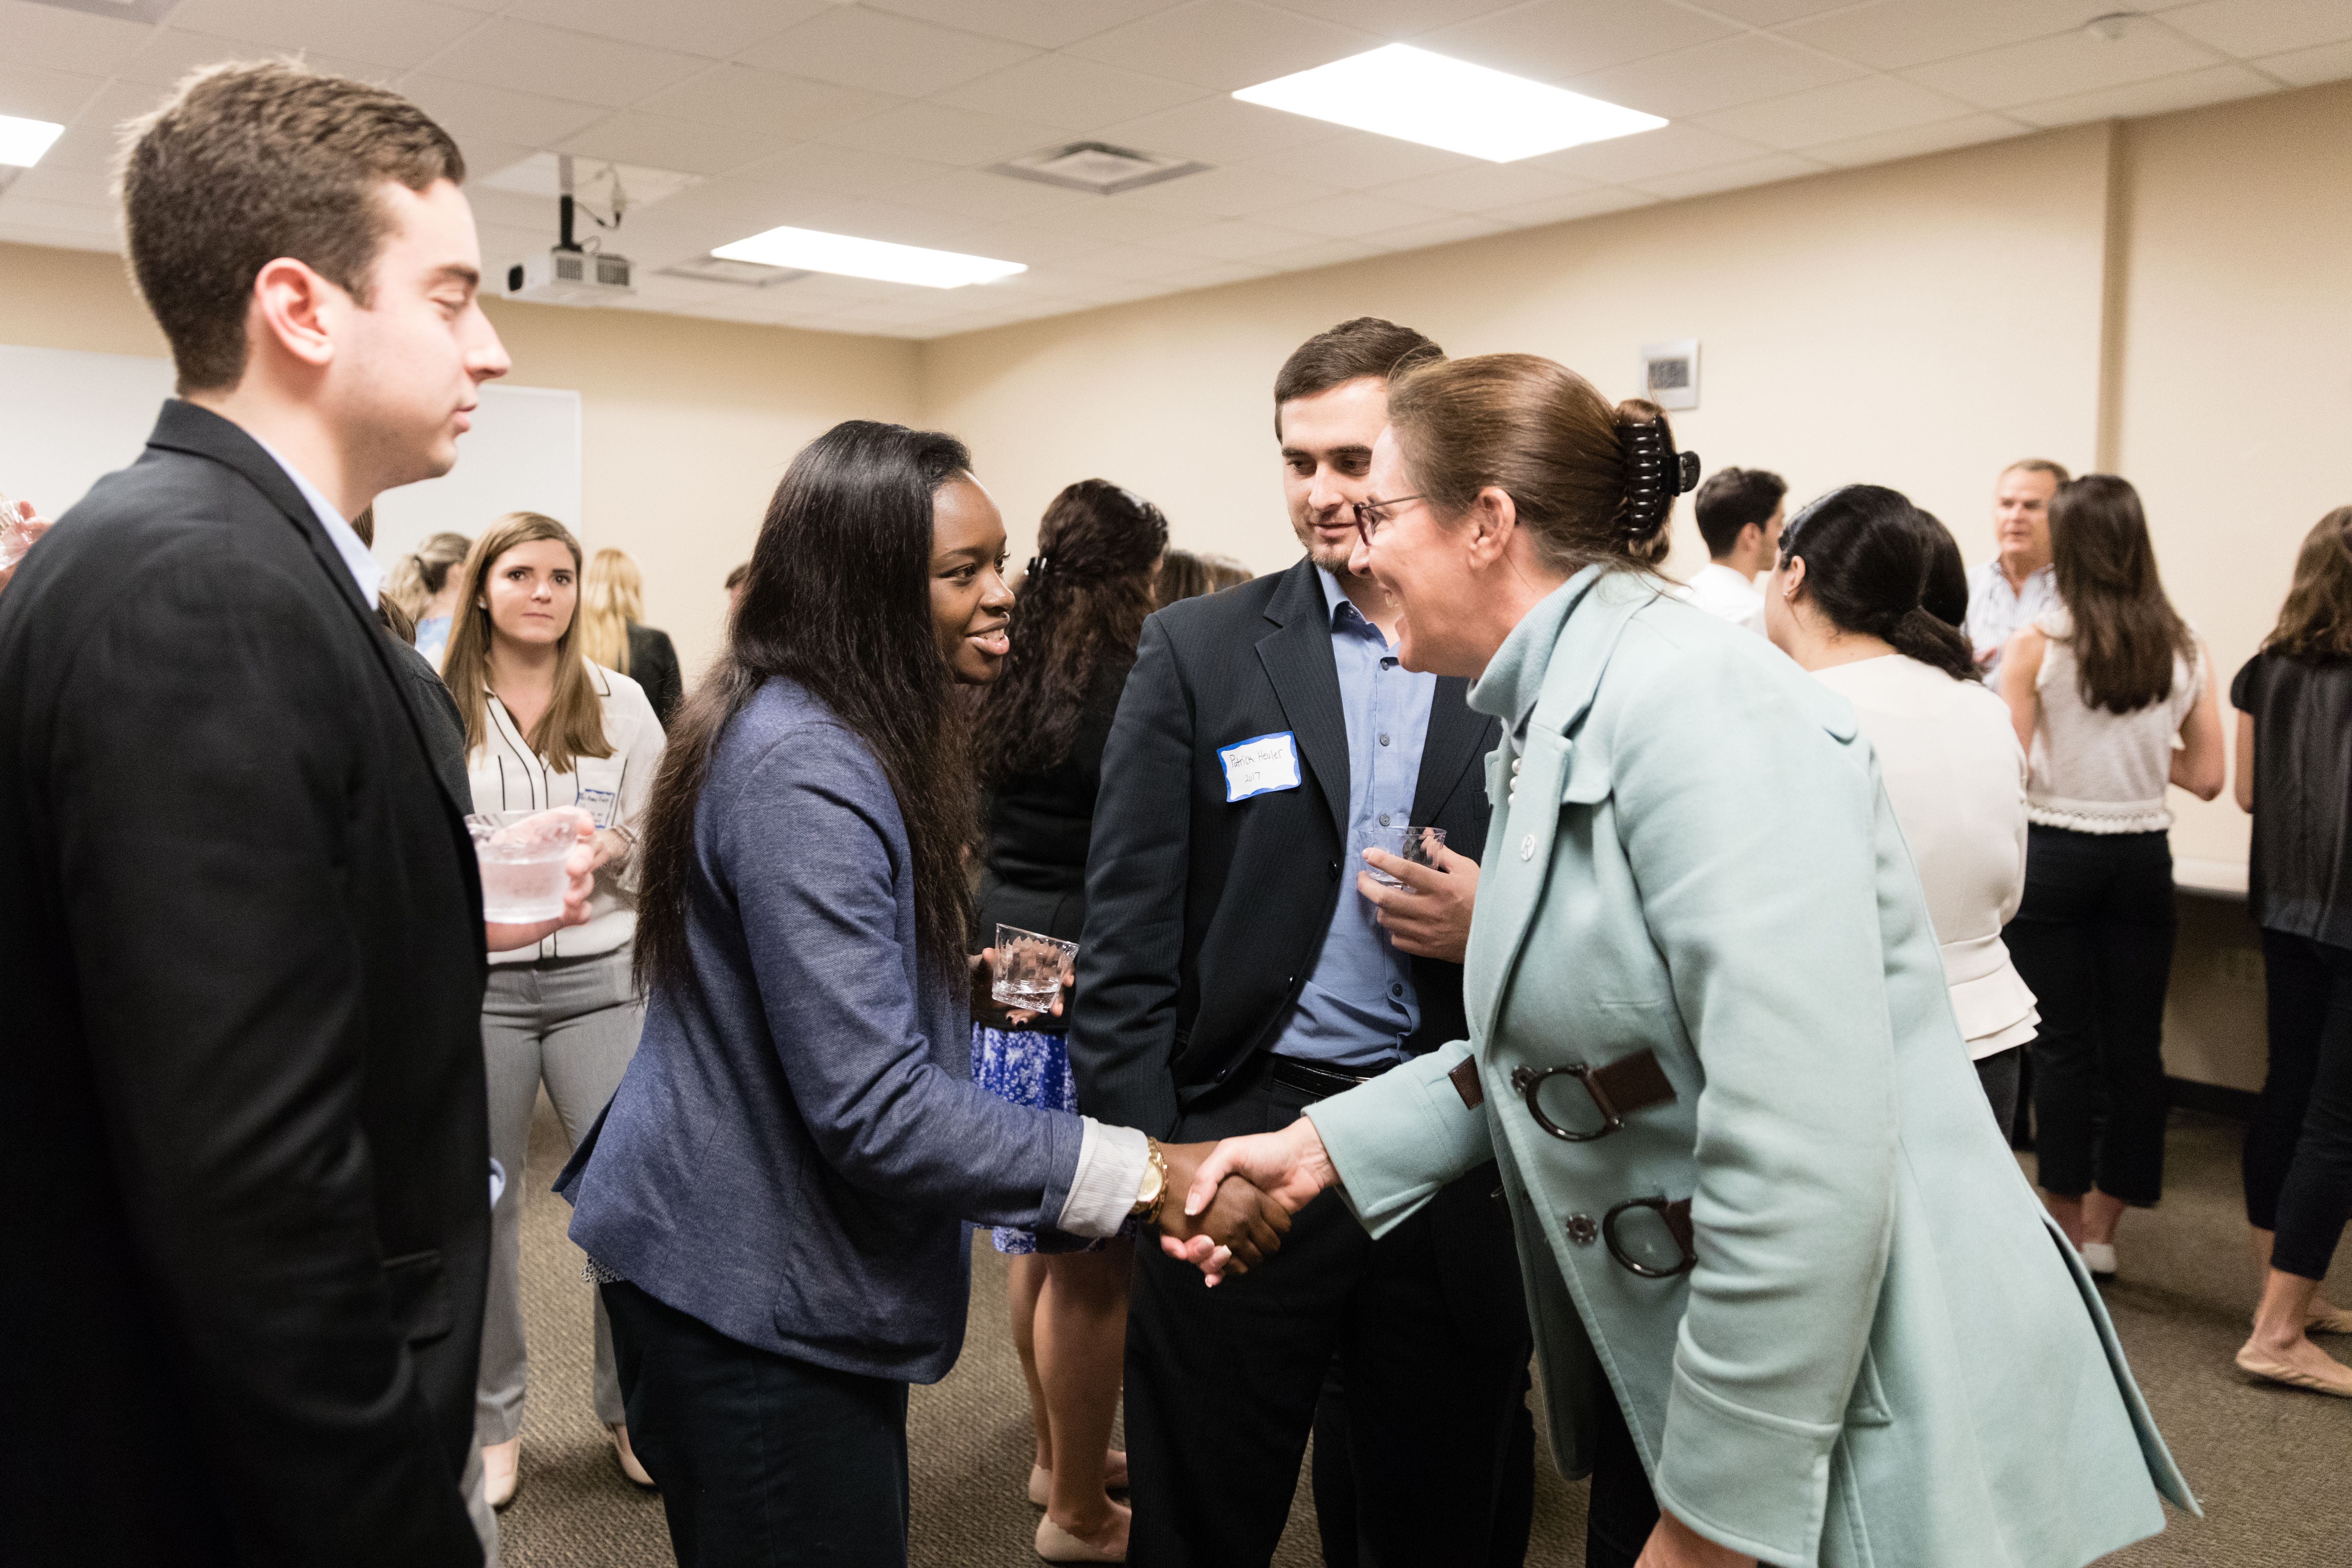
(571, 1024)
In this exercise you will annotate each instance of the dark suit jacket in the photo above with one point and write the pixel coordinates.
(653, 663)
(1204, 917)
(242, 1126)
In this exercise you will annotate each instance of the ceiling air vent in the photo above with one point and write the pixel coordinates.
(720, 269)
(1096, 167)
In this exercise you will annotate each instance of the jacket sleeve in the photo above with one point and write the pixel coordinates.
(810, 861)
(1123, 1021)
(202, 773)
(1753, 839)
(1397, 1140)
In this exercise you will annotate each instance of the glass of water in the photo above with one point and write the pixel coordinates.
(1415, 846)
(1031, 968)
(15, 537)
(522, 856)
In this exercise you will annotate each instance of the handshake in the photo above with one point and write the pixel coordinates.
(1228, 1205)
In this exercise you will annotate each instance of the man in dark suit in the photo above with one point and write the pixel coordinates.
(241, 949)
(1237, 966)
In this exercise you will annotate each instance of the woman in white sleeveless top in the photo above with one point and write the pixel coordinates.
(1846, 601)
(2113, 695)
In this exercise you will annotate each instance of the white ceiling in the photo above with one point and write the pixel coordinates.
(877, 119)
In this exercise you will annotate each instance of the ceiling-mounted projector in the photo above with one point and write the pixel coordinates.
(574, 274)
(574, 277)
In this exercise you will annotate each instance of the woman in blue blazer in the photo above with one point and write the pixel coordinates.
(774, 1203)
(1787, 1284)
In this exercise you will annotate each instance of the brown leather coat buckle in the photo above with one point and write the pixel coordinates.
(1676, 1215)
(1627, 1085)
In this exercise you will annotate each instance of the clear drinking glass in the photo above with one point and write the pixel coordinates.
(13, 538)
(522, 854)
(1031, 968)
(1415, 846)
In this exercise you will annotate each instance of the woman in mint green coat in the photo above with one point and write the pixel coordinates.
(1778, 1256)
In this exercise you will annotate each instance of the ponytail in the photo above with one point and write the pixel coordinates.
(1919, 633)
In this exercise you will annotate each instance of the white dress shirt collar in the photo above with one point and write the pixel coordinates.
(356, 558)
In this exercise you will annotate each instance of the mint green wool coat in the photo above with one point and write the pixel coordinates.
(1886, 1354)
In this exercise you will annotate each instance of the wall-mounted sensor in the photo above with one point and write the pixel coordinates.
(1670, 373)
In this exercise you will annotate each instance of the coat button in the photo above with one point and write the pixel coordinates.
(1527, 848)
(1581, 1229)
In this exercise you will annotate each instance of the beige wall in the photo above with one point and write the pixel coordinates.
(1917, 324)
(686, 424)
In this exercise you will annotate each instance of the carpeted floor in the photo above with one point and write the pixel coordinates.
(2269, 1464)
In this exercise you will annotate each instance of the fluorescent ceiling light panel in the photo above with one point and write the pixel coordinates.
(21, 141)
(1416, 96)
(814, 251)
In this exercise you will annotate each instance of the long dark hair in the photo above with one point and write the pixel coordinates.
(2315, 623)
(838, 599)
(1083, 598)
(2126, 633)
(1869, 559)
(1946, 595)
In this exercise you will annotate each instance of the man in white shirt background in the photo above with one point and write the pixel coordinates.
(2006, 593)
(1739, 514)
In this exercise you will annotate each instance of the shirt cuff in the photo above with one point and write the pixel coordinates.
(1111, 1163)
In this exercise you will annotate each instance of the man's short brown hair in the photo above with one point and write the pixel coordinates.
(250, 161)
(2057, 472)
(1350, 351)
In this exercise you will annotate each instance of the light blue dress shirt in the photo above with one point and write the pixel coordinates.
(361, 565)
(1998, 612)
(1359, 1004)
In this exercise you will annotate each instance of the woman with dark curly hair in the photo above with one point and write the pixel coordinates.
(1039, 739)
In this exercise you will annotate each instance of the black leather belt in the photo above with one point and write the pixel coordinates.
(1316, 1083)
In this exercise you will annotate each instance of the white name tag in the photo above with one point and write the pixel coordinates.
(598, 804)
(1260, 766)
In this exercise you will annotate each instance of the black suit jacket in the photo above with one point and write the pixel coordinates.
(653, 663)
(1204, 918)
(242, 1124)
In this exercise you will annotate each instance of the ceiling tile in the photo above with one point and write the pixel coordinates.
(1040, 23)
(1234, 241)
(1436, 231)
(500, 114)
(1839, 112)
(69, 41)
(73, 187)
(172, 54)
(1358, 159)
(746, 98)
(1235, 191)
(658, 142)
(1224, 44)
(1568, 208)
(2247, 28)
(1485, 185)
(943, 135)
(1555, 40)
(1772, 13)
(1352, 214)
(2307, 68)
(1030, 241)
(1398, 19)
(31, 92)
(56, 238)
(2189, 90)
(1322, 253)
(533, 59)
(2070, 63)
(1731, 176)
(400, 33)
(1128, 263)
(1219, 130)
(1217, 276)
(1718, 76)
(715, 29)
(1066, 91)
(1113, 221)
(1894, 33)
(1915, 139)
(903, 225)
(1669, 150)
(66, 217)
(990, 198)
(883, 53)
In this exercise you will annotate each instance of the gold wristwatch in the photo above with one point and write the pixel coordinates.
(1155, 1183)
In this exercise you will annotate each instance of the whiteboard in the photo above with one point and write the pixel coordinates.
(67, 418)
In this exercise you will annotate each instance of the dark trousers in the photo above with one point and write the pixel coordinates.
(763, 1461)
(1998, 1073)
(1622, 1511)
(2094, 939)
(1428, 1326)
(2298, 1159)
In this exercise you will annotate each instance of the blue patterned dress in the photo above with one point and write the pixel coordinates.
(1027, 1066)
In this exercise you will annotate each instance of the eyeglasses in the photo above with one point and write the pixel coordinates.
(1371, 518)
